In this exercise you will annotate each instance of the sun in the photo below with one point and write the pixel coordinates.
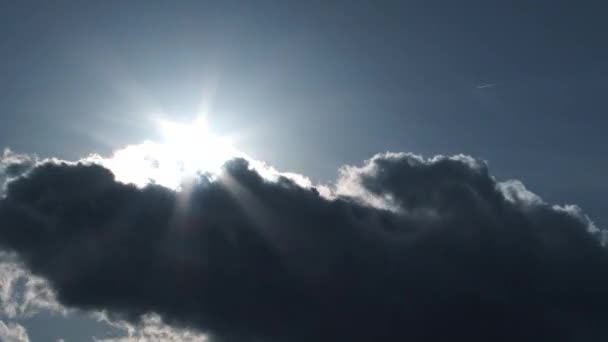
(194, 147)
(184, 152)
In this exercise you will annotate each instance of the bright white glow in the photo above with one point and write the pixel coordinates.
(195, 147)
(186, 150)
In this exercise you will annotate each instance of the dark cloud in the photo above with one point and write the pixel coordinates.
(462, 257)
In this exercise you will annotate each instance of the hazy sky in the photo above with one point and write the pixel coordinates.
(309, 86)
(324, 82)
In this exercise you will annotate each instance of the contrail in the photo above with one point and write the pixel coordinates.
(487, 85)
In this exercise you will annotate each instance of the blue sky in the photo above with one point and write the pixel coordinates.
(311, 86)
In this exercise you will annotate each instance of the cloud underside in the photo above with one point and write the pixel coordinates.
(405, 248)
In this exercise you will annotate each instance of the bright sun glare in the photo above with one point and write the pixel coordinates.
(185, 151)
(195, 146)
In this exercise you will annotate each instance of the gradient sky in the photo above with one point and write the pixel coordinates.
(315, 85)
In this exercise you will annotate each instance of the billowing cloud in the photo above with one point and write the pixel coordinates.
(13, 332)
(404, 248)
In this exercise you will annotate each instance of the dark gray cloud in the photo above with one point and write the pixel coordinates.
(459, 257)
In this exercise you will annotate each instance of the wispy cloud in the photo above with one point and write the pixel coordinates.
(486, 85)
(13, 332)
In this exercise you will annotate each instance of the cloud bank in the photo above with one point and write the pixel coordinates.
(403, 248)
